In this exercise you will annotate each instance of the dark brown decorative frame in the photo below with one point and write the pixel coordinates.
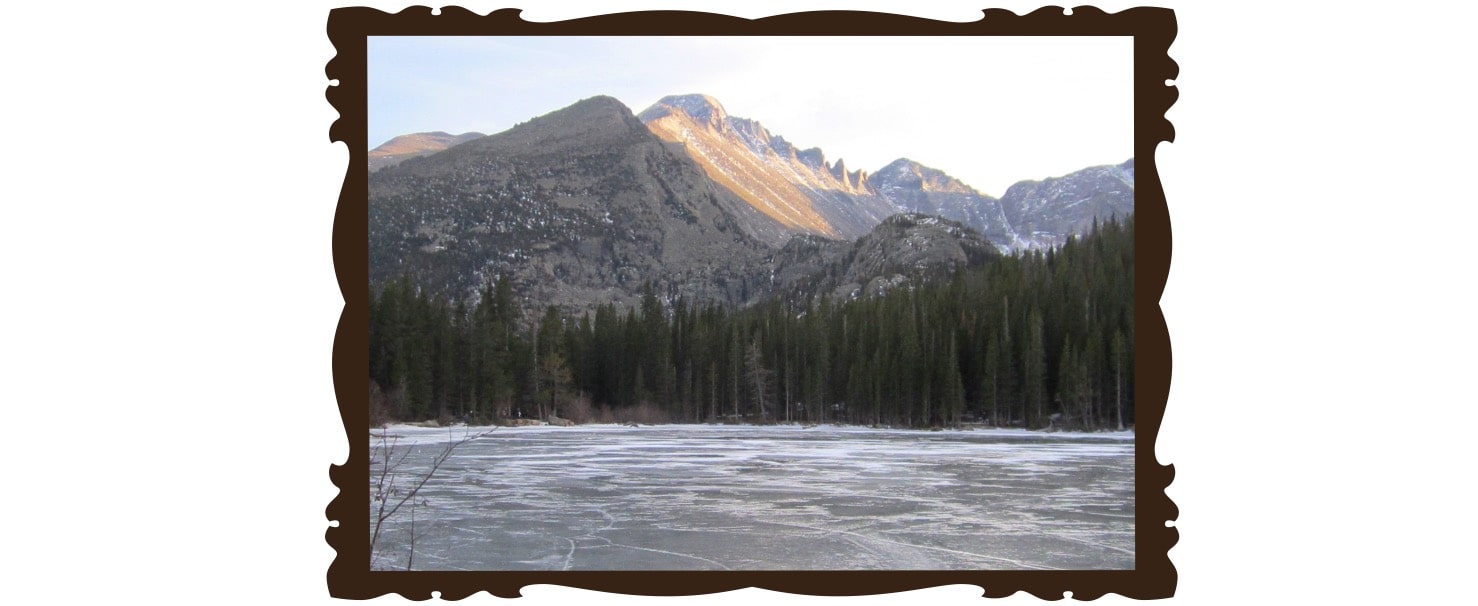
(1153, 29)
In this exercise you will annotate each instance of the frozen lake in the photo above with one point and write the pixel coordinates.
(710, 497)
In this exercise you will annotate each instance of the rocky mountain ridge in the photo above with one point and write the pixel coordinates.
(591, 202)
(1046, 212)
(796, 187)
(915, 188)
(805, 194)
(581, 206)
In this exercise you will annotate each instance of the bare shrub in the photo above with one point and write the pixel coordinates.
(481, 419)
(583, 412)
(579, 410)
(645, 414)
(390, 493)
(379, 414)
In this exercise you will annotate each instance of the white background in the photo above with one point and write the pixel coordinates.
(169, 302)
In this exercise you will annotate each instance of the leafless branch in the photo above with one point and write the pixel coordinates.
(385, 490)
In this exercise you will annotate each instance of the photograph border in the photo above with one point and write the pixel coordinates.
(1152, 29)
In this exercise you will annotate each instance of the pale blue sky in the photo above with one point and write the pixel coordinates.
(990, 111)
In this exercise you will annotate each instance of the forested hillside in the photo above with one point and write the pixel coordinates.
(1036, 339)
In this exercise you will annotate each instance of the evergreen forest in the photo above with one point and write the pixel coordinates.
(1035, 339)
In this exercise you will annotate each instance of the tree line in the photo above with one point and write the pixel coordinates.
(1036, 339)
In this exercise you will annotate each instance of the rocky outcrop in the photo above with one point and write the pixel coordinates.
(905, 249)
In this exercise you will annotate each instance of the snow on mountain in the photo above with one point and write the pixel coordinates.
(783, 190)
(806, 194)
(1050, 210)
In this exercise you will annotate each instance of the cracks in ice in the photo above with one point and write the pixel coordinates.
(874, 539)
(611, 523)
(608, 543)
(1090, 543)
(569, 557)
(745, 498)
(673, 553)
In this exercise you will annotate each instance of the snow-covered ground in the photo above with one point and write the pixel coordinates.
(686, 497)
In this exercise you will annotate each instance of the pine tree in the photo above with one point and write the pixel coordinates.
(990, 378)
(1118, 356)
(760, 378)
(1034, 369)
(952, 399)
(555, 376)
(1067, 382)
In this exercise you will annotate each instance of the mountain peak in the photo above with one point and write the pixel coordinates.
(908, 174)
(901, 165)
(599, 105)
(696, 105)
(593, 119)
(701, 108)
(796, 188)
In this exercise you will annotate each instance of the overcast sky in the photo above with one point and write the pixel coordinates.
(988, 110)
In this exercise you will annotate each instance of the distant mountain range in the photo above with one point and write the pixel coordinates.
(587, 204)
(396, 150)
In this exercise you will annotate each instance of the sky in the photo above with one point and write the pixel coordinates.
(990, 111)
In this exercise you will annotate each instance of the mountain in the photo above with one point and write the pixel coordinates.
(1045, 212)
(796, 188)
(780, 191)
(802, 193)
(590, 203)
(914, 188)
(396, 150)
(579, 207)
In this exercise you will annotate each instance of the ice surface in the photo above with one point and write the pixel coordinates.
(696, 497)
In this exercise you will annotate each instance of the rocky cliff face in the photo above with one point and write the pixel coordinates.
(796, 188)
(579, 207)
(1044, 213)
